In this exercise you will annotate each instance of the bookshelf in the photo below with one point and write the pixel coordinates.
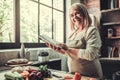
(110, 23)
(110, 20)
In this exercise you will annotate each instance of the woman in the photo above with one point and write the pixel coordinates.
(83, 45)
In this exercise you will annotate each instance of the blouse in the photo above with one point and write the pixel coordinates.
(88, 42)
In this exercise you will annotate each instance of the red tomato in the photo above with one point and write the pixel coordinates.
(68, 77)
(92, 78)
(25, 74)
(77, 76)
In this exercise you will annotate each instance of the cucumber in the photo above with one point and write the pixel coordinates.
(13, 76)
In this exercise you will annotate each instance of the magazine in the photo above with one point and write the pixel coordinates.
(47, 39)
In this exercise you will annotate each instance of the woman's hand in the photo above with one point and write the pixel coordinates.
(61, 48)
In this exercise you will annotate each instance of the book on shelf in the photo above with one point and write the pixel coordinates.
(113, 52)
(109, 52)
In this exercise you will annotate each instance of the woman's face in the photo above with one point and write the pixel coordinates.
(76, 17)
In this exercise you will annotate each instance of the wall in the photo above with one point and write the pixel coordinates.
(93, 8)
(6, 55)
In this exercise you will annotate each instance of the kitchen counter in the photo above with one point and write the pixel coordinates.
(2, 74)
(51, 64)
(55, 72)
(50, 60)
(63, 73)
(2, 68)
(58, 72)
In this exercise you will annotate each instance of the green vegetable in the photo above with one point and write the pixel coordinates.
(43, 68)
(13, 76)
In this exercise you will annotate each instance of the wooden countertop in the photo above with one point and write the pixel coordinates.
(62, 74)
(56, 72)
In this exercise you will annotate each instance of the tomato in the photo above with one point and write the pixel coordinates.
(68, 77)
(25, 74)
(92, 78)
(77, 76)
(31, 70)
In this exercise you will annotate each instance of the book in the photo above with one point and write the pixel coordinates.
(47, 39)
(109, 52)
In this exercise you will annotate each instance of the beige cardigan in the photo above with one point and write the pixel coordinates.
(88, 42)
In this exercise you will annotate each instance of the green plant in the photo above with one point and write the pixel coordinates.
(4, 17)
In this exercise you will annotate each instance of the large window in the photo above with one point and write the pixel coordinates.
(6, 21)
(21, 21)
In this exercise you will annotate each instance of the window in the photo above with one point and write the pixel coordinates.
(21, 21)
(6, 21)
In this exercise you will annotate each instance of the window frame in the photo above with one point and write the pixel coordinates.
(17, 42)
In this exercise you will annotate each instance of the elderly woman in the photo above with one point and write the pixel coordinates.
(83, 45)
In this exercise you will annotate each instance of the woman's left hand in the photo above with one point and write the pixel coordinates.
(61, 48)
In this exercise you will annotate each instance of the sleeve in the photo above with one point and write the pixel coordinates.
(93, 45)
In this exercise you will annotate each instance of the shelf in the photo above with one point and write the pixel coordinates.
(118, 37)
(110, 10)
(110, 59)
(111, 23)
(110, 16)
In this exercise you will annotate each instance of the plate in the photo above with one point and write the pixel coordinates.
(15, 65)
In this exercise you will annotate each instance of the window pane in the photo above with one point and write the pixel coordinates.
(47, 2)
(6, 21)
(45, 20)
(58, 25)
(28, 21)
(58, 4)
(34, 0)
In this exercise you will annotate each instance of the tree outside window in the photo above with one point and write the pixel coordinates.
(22, 21)
(6, 18)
